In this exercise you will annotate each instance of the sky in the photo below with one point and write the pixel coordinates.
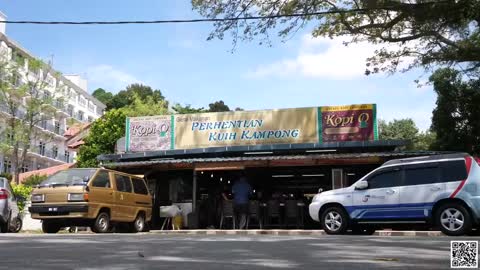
(188, 69)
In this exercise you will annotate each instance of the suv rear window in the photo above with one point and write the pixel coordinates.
(139, 186)
(422, 175)
(453, 171)
(123, 183)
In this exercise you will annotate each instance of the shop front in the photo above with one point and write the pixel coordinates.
(192, 161)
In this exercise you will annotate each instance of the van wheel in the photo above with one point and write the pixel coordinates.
(101, 223)
(453, 219)
(334, 220)
(139, 224)
(49, 226)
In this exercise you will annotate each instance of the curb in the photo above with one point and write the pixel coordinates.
(293, 233)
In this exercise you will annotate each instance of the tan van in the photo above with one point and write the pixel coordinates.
(95, 197)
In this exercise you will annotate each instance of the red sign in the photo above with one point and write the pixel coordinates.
(349, 123)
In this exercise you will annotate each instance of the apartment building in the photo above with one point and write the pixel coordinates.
(75, 107)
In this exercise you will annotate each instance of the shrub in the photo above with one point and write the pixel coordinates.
(22, 193)
(33, 180)
(6, 175)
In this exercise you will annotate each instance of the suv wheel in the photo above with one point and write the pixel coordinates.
(453, 219)
(18, 225)
(334, 220)
(102, 223)
(49, 226)
(4, 227)
(139, 224)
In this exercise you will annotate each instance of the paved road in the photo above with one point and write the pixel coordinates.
(147, 251)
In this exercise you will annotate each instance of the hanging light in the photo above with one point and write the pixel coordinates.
(229, 181)
(201, 172)
(211, 175)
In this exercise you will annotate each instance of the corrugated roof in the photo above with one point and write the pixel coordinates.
(265, 158)
(375, 146)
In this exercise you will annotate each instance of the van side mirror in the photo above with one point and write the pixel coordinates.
(361, 185)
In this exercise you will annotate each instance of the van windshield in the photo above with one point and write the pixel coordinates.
(69, 178)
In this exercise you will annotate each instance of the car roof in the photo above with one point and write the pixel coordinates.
(425, 159)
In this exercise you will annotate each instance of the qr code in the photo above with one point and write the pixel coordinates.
(464, 254)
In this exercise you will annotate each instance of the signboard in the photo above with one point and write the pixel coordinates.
(284, 126)
(348, 123)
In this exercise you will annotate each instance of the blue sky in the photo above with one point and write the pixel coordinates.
(178, 60)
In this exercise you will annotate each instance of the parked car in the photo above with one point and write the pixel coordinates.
(97, 198)
(10, 218)
(439, 190)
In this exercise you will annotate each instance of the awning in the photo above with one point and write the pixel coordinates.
(273, 160)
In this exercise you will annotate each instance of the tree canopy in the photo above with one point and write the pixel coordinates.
(405, 129)
(456, 119)
(105, 131)
(218, 106)
(424, 32)
(126, 97)
(177, 108)
(102, 95)
(28, 100)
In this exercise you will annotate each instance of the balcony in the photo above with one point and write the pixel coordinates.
(19, 114)
(51, 155)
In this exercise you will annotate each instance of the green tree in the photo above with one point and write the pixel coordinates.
(218, 106)
(28, 96)
(429, 32)
(405, 129)
(126, 97)
(187, 109)
(456, 118)
(106, 130)
(103, 96)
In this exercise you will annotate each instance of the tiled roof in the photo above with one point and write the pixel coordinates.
(47, 171)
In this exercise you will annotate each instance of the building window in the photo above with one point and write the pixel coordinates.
(10, 136)
(7, 166)
(91, 107)
(90, 119)
(46, 96)
(41, 148)
(43, 124)
(82, 101)
(57, 127)
(70, 110)
(67, 156)
(25, 168)
(59, 104)
(81, 115)
(54, 152)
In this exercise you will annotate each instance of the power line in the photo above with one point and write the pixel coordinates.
(246, 18)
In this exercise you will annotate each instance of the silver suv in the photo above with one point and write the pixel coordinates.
(439, 190)
(10, 219)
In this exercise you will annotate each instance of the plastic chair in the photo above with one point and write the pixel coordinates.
(254, 212)
(273, 212)
(227, 212)
(292, 212)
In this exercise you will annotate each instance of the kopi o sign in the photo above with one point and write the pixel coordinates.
(283, 126)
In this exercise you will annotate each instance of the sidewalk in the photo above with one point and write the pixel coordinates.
(293, 232)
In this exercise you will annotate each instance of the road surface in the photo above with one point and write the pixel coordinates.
(147, 251)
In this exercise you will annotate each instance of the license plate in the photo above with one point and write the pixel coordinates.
(52, 209)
